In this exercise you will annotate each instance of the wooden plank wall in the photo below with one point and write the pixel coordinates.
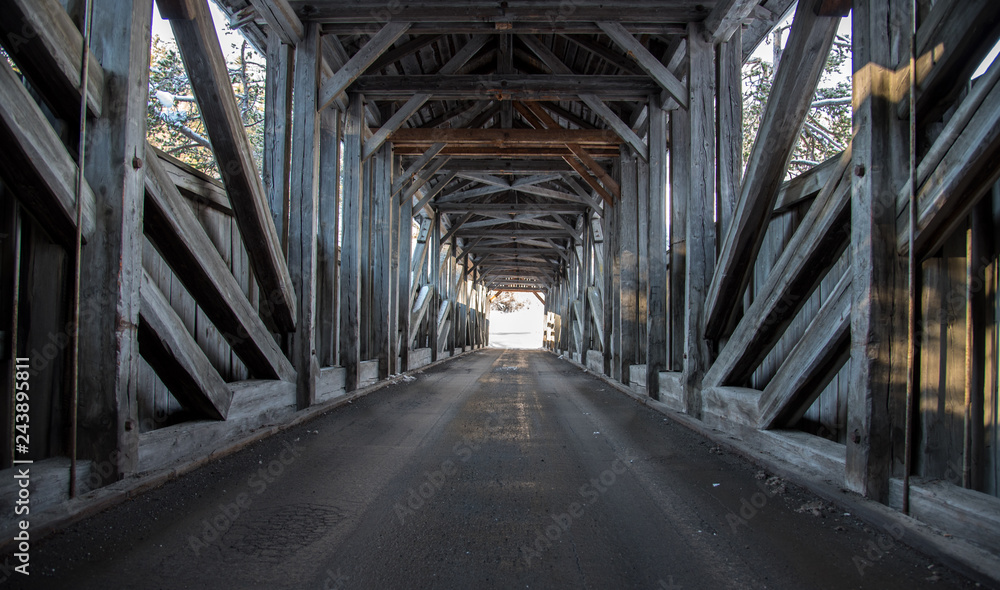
(157, 407)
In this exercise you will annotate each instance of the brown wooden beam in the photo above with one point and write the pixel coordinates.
(505, 87)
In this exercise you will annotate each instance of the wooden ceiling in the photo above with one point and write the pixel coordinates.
(508, 116)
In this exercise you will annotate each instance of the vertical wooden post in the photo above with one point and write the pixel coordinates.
(394, 255)
(329, 247)
(642, 230)
(108, 431)
(303, 220)
(656, 318)
(879, 313)
(680, 189)
(628, 227)
(700, 238)
(278, 132)
(404, 287)
(350, 255)
(612, 294)
(382, 211)
(434, 253)
(729, 129)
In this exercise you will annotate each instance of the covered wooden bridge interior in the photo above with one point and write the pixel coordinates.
(422, 156)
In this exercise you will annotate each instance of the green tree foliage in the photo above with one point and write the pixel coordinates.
(827, 130)
(172, 117)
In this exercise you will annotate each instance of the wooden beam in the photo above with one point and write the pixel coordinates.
(646, 60)
(206, 68)
(807, 185)
(504, 87)
(504, 137)
(303, 224)
(699, 263)
(383, 209)
(403, 50)
(726, 18)
(47, 46)
(543, 12)
(511, 209)
(359, 62)
(606, 54)
(328, 246)
(278, 133)
(965, 173)
(877, 394)
(423, 178)
(951, 43)
(350, 254)
(587, 164)
(416, 102)
(817, 244)
(812, 363)
(729, 128)
(111, 263)
(416, 165)
(656, 229)
(170, 223)
(434, 190)
(178, 361)
(627, 212)
(680, 189)
(281, 19)
(37, 165)
(799, 71)
(487, 151)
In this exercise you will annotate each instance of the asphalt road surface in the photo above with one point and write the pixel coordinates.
(502, 469)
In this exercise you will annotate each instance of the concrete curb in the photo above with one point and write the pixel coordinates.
(958, 554)
(67, 513)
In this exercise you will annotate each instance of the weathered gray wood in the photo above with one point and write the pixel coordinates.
(404, 288)
(878, 322)
(725, 19)
(505, 87)
(206, 68)
(416, 166)
(951, 43)
(799, 71)
(646, 60)
(328, 248)
(360, 61)
(816, 246)
(699, 264)
(656, 294)
(175, 356)
(281, 18)
(303, 223)
(430, 194)
(497, 137)
(964, 175)
(278, 133)
(541, 12)
(37, 164)
(813, 362)
(47, 46)
(680, 189)
(350, 255)
(383, 209)
(172, 226)
(415, 103)
(729, 119)
(627, 211)
(109, 287)
(806, 185)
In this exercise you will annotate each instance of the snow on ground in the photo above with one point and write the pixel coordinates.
(521, 329)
